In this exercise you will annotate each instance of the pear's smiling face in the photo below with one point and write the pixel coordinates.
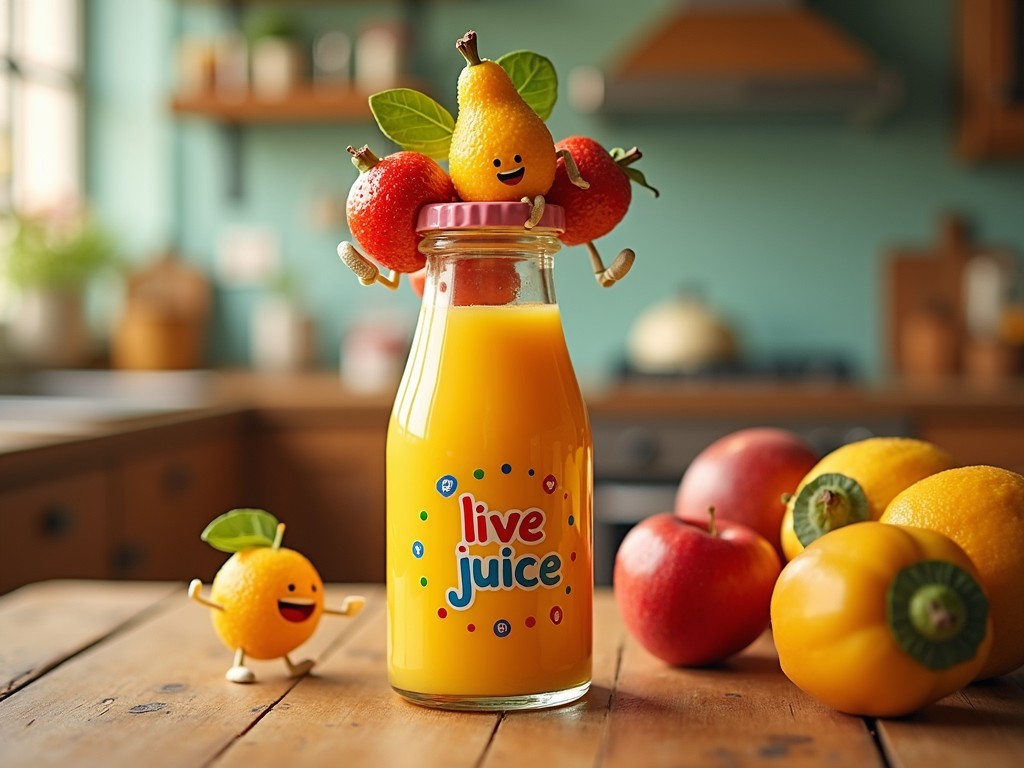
(510, 173)
(494, 157)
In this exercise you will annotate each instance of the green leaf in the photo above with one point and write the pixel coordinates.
(414, 121)
(534, 77)
(637, 177)
(241, 529)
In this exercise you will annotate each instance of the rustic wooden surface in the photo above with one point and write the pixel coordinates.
(125, 674)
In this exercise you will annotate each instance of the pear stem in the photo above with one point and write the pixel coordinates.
(466, 45)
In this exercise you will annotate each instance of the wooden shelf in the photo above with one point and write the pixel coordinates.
(308, 104)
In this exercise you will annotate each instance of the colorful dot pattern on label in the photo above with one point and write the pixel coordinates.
(446, 487)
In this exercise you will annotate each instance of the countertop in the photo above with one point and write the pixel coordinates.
(125, 405)
(124, 674)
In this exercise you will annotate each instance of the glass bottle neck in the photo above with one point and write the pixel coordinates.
(489, 267)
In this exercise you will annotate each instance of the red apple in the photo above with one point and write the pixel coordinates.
(693, 594)
(744, 476)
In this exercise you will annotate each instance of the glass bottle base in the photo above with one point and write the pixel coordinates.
(496, 703)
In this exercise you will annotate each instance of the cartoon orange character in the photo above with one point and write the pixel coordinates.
(267, 600)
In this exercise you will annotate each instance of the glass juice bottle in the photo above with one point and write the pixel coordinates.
(489, 476)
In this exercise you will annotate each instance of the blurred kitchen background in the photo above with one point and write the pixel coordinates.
(185, 137)
(836, 250)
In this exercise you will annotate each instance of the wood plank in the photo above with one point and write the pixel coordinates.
(742, 713)
(347, 714)
(981, 725)
(571, 735)
(46, 623)
(156, 691)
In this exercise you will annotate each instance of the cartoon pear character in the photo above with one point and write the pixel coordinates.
(501, 149)
(267, 600)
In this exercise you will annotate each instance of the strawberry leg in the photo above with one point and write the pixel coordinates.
(365, 270)
(619, 268)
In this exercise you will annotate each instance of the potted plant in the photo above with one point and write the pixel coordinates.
(47, 261)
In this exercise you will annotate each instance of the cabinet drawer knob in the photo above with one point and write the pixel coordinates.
(177, 479)
(57, 521)
(128, 557)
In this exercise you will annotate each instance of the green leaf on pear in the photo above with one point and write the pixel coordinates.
(414, 121)
(241, 529)
(535, 79)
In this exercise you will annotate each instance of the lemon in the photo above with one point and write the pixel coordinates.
(981, 508)
(856, 482)
(272, 600)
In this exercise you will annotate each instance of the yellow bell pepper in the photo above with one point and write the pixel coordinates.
(880, 620)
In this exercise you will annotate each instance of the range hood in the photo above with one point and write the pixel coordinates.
(739, 56)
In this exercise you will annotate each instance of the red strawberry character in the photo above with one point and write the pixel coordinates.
(418, 281)
(382, 207)
(479, 281)
(594, 212)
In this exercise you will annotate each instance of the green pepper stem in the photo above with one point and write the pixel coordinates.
(831, 509)
(937, 612)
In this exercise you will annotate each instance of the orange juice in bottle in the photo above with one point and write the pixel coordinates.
(489, 476)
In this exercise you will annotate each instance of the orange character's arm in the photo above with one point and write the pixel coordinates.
(194, 588)
(350, 606)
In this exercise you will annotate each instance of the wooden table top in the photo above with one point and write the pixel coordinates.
(131, 674)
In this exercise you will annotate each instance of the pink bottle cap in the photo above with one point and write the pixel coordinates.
(437, 216)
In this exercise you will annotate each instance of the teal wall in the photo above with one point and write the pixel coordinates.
(782, 223)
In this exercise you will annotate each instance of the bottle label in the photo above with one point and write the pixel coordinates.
(497, 548)
(506, 570)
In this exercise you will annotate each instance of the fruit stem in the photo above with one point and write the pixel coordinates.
(466, 45)
(278, 536)
(629, 157)
(363, 158)
(712, 528)
(831, 509)
(937, 612)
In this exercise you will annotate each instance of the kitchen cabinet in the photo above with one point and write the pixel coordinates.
(997, 439)
(991, 68)
(131, 504)
(56, 526)
(322, 474)
(166, 497)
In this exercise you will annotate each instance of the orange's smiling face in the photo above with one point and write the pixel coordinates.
(510, 173)
(296, 608)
